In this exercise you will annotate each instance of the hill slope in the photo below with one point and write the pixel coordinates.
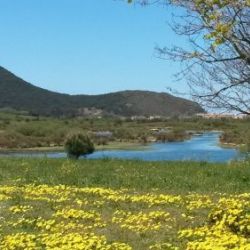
(20, 95)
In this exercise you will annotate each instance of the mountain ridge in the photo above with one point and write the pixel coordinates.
(19, 94)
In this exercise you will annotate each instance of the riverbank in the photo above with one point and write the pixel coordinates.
(109, 146)
(241, 147)
(201, 147)
(117, 145)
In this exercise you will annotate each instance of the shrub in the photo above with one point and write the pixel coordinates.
(77, 145)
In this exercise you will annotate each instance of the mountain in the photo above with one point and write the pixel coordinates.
(18, 94)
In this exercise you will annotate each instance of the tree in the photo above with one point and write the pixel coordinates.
(77, 145)
(217, 68)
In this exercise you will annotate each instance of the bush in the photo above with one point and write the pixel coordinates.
(77, 145)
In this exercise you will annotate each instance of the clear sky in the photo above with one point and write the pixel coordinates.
(87, 46)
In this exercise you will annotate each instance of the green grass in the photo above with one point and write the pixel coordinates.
(170, 177)
(59, 201)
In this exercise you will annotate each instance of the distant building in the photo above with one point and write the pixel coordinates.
(138, 118)
(143, 117)
(90, 112)
(103, 134)
(220, 116)
(154, 117)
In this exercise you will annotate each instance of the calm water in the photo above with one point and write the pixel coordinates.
(203, 147)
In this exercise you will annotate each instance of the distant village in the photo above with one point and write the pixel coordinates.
(220, 116)
(202, 115)
(98, 113)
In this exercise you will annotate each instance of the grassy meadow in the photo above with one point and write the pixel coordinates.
(119, 205)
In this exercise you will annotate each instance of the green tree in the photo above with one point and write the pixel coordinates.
(77, 145)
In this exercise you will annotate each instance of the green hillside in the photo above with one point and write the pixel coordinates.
(20, 95)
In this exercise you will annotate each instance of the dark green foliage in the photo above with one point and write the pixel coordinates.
(77, 145)
(17, 94)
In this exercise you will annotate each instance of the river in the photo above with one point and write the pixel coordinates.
(204, 147)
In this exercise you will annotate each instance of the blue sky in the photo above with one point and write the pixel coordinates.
(87, 46)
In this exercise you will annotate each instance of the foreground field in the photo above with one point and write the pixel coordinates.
(109, 204)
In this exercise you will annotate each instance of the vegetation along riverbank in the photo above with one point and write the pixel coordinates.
(115, 204)
(19, 131)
